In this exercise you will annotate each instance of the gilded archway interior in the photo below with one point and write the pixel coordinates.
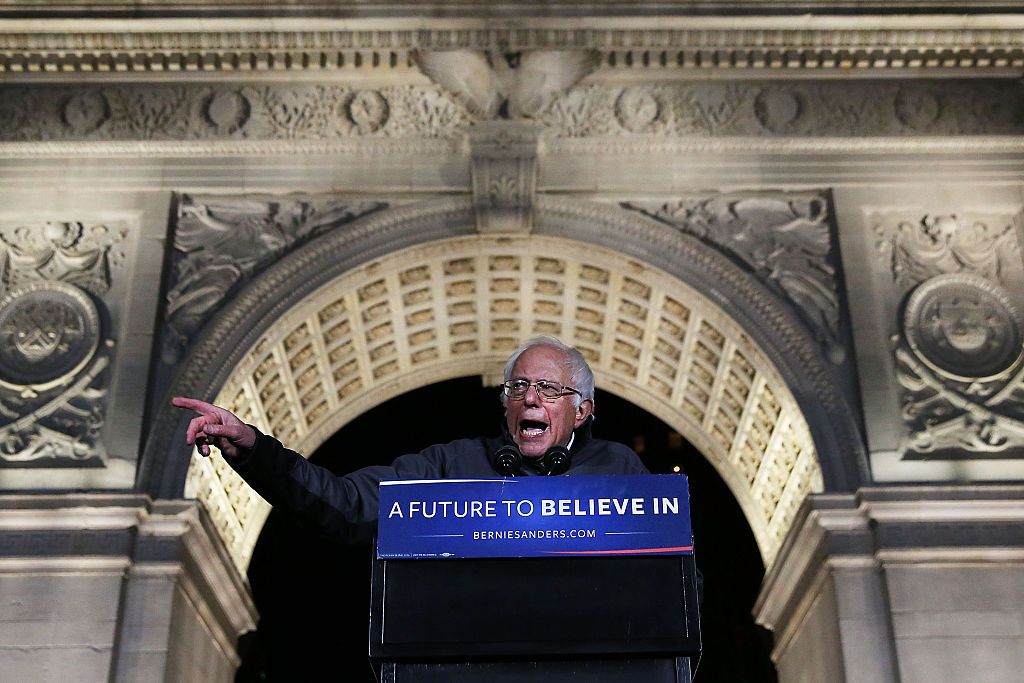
(457, 307)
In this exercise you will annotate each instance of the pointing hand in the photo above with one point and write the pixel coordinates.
(216, 426)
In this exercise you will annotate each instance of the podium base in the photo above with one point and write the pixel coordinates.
(647, 669)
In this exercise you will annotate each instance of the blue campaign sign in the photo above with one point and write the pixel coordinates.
(535, 516)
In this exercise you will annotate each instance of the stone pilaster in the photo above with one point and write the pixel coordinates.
(104, 587)
(900, 584)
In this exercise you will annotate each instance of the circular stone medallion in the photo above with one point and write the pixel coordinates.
(964, 327)
(368, 110)
(637, 109)
(778, 110)
(86, 111)
(916, 109)
(226, 112)
(49, 331)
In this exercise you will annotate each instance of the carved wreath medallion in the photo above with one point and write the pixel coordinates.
(368, 110)
(49, 331)
(964, 327)
(637, 109)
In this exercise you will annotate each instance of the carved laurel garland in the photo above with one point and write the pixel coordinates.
(459, 306)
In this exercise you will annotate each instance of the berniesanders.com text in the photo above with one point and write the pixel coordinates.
(525, 534)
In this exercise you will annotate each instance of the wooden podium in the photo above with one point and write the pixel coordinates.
(606, 619)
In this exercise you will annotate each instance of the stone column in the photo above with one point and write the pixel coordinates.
(907, 584)
(108, 587)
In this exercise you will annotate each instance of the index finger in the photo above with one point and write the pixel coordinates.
(193, 404)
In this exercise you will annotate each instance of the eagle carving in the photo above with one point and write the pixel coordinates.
(514, 85)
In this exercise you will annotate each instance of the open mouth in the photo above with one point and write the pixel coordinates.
(531, 429)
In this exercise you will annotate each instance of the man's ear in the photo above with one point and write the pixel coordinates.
(583, 411)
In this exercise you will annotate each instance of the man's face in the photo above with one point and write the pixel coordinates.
(537, 423)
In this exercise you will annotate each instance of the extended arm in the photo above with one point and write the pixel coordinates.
(342, 507)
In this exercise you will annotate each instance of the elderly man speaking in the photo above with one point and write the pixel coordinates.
(548, 394)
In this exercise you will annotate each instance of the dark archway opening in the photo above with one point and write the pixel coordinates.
(313, 595)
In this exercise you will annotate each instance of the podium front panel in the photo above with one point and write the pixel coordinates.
(562, 606)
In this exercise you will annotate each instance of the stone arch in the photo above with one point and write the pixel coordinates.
(414, 295)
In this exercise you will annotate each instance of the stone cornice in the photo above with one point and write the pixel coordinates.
(665, 46)
(1004, 146)
(118, 532)
(874, 526)
(489, 8)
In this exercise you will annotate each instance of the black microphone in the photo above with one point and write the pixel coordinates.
(507, 461)
(556, 461)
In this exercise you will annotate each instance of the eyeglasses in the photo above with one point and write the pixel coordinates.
(516, 389)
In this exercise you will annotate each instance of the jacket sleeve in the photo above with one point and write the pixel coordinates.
(342, 507)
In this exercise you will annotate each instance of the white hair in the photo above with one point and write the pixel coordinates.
(580, 374)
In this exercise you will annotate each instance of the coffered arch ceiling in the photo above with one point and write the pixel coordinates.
(413, 296)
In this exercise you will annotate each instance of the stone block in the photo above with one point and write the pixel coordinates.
(956, 588)
(979, 660)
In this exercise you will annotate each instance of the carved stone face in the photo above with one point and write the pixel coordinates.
(536, 423)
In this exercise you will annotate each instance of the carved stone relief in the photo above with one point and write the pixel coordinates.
(504, 170)
(49, 331)
(638, 110)
(512, 85)
(959, 340)
(54, 354)
(196, 111)
(544, 92)
(822, 108)
(784, 239)
(219, 243)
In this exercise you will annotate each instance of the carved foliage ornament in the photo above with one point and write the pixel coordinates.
(937, 244)
(220, 243)
(540, 85)
(960, 344)
(80, 253)
(808, 109)
(202, 112)
(784, 239)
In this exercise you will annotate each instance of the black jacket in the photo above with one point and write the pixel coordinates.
(345, 507)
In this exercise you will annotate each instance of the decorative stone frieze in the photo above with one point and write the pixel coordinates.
(397, 118)
(959, 340)
(226, 111)
(787, 109)
(784, 239)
